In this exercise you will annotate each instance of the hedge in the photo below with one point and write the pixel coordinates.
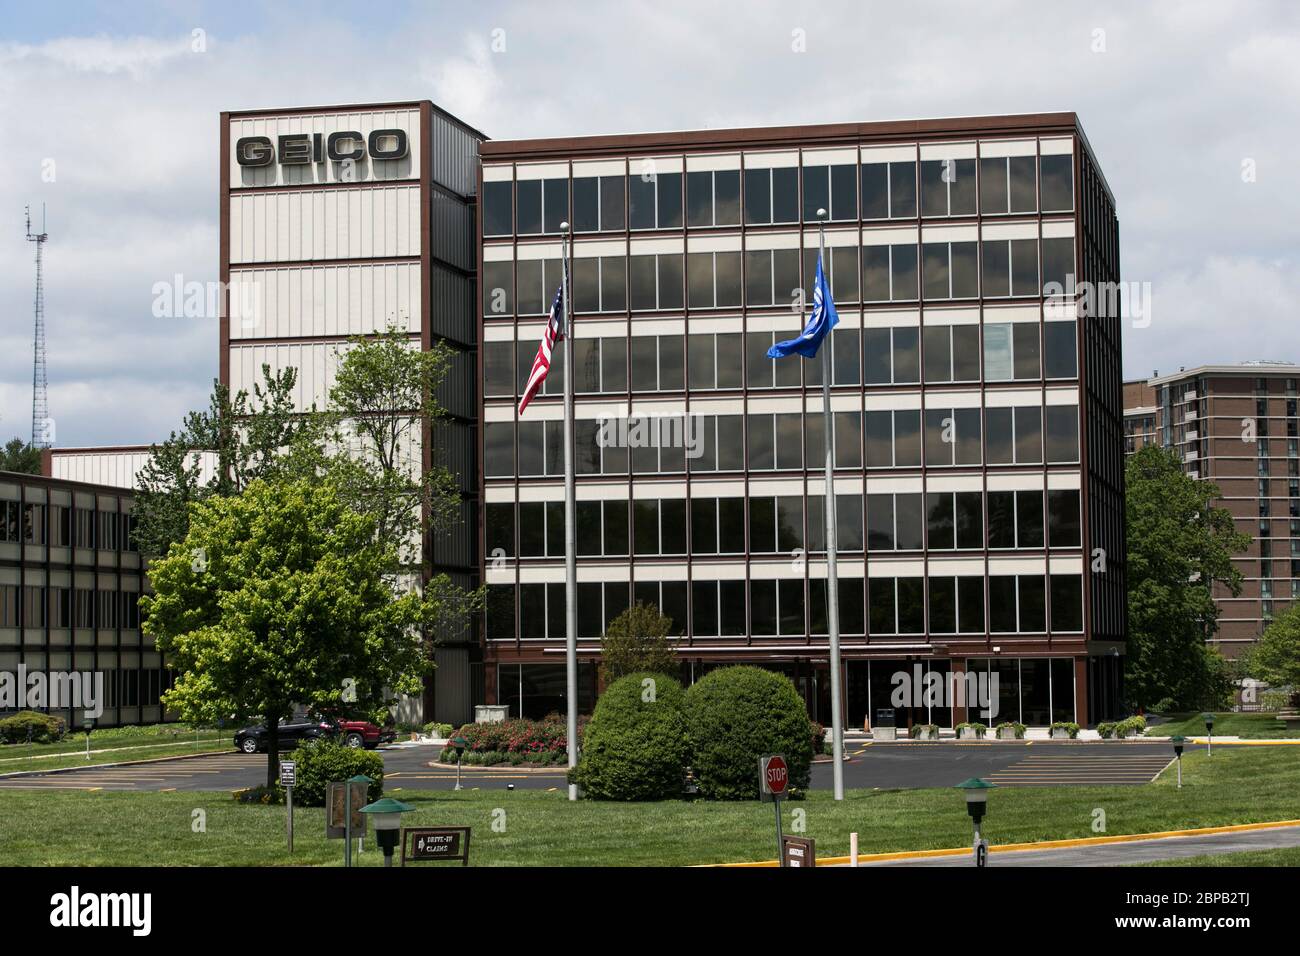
(44, 728)
(636, 745)
(735, 715)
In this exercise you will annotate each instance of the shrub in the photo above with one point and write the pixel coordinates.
(634, 748)
(820, 744)
(441, 731)
(736, 715)
(326, 761)
(548, 735)
(980, 729)
(1018, 727)
(1131, 725)
(44, 728)
(1276, 699)
(264, 795)
(636, 642)
(918, 729)
(1106, 730)
(1071, 729)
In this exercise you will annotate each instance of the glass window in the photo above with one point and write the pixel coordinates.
(1058, 265)
(498, 450)
(498, 288)
(498, 217)
(758, 196)
(1067, 602)
(1029, 519)
(612, 201)
(1062, 433)
(1063, 518)
(1002, 604)
(1059, 350)
(1033, 611)
(1057, 173)
(499, 369)
(555, 204)
(528, 207)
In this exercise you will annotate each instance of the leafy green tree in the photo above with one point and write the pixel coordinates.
(20, 456)
(635, 641)
(383, 410)
(1180, 548)
(253, 437)
(1275, 659)
(277, 597)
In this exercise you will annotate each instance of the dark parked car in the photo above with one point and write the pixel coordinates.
(292, 732)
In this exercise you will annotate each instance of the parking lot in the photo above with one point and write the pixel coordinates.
(870, 765)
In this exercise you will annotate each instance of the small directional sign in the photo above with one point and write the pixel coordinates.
(288, 773)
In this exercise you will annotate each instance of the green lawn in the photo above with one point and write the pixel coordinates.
(73, 827)
(1283, 856)
(111, 738)
(115, 754)
(1249, 726)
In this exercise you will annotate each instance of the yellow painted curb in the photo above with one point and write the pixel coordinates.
(1044, 845)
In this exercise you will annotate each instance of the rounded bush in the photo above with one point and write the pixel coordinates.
(636, 747)
(43, 728)
(325, 761)
(736, 715)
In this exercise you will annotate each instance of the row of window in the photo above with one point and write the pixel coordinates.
(1021, 435)
(993, 268)
(32, 606)
(903, 521)
(66, 527)
(1011, 351)
(649, 198)
(1016, 604)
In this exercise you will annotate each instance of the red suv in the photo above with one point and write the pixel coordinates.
(362, 733)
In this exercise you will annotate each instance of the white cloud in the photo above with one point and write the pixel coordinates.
(1180, 97)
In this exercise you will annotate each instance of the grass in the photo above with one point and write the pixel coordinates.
(1282, 856)
(111, 738)
(63, 827)
(77, 758)
(1246, 726)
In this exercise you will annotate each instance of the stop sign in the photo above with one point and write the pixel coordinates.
(776, 775)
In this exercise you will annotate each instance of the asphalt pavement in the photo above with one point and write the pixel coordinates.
(870, 765)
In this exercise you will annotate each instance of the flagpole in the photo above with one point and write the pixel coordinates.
(570, 525)
(832, 551)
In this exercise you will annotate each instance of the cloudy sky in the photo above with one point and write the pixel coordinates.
(111, 115)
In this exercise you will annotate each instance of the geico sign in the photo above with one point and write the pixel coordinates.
(303, 149)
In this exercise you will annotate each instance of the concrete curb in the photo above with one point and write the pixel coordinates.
(1023, 847)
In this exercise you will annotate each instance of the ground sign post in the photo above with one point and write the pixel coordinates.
(432, 844)
(288, 777)
(798, 851)
(773, 781)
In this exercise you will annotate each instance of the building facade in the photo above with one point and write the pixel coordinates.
(346, 221)
(1236, 425)
(978, 415)
(70, 583)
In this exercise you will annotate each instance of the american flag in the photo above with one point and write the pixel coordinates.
(553, 334)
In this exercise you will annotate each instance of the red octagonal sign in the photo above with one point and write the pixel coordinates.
(776, 775)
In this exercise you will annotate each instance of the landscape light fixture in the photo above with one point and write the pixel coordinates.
(459, 744)
(1209, 732)
(388, 824)
(88, 723)
(1178, 742)
(977, 795)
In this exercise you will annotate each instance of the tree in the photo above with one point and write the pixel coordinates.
(1275, 659)
(257, 437)
(637, 640)
(279, 597)
(20, 456)
(383, 410)
(1180, 548)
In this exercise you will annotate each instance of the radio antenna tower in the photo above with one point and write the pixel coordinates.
(40, 384)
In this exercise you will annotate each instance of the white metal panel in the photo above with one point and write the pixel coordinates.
(318, 224)
(364, 170)
(293, 301)
(115, 468)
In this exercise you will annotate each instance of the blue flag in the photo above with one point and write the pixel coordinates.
(823, 319)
